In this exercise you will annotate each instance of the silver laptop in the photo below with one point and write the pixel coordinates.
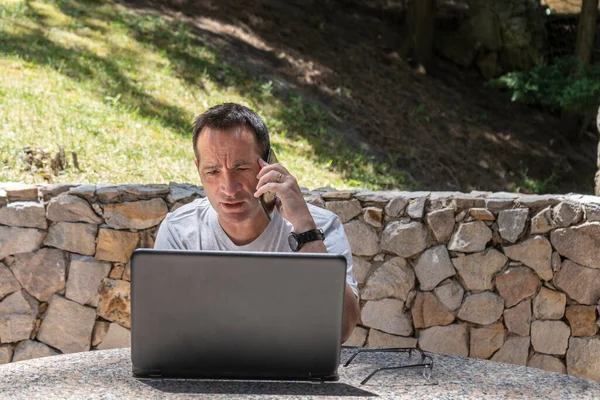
(236, 315)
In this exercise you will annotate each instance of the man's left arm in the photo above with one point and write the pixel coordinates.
(292, 206)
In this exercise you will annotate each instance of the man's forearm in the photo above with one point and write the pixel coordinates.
(351, 313)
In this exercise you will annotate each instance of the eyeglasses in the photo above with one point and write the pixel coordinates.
(425, 362)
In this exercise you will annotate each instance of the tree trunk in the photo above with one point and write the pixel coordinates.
(421, 23)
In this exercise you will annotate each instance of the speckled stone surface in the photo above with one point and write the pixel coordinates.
(107, 375)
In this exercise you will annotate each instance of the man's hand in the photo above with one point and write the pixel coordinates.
(290, 202)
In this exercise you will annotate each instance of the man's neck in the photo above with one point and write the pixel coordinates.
(246, 232)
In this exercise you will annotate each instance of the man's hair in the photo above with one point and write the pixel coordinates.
(229, 115)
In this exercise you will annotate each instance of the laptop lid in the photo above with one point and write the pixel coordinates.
(245, 315)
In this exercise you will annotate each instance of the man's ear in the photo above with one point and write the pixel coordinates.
(196, 162)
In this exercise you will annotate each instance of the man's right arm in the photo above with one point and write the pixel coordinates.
(165, 240)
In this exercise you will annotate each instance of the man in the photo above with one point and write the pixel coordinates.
(231, 143)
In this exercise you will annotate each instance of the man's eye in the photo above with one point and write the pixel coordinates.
(213, 172)
(243, 169)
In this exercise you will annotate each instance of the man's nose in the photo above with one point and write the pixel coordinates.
(229, 184)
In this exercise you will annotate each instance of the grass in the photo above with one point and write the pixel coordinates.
(120, 89)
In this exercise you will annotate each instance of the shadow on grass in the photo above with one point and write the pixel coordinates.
(185, 46)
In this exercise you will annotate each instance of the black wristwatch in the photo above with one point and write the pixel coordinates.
(297, 240)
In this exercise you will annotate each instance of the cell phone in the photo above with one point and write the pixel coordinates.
(267, 199)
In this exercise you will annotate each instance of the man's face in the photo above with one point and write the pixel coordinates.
(228, 167)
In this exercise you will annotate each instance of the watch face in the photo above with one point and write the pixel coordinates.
(293, 242)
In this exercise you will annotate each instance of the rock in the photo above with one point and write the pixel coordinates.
(41, 273)
(135, 215)
(427, 311)
(29, 350)
(549, 304)
(542, 222)
(556, 262)
(377, 199)
(20, 192)
(536, 253)
(67, 325)
(470, 237)
(396, 206)
(8, 283)
(516, 284)
(450, 294)
(404, 239)
(482, 214)
(362, 237)
(115, 246)
(515, 350)
(85, 277)
(17, 317)
(450, 340)
(550, 337)
(310, 198)
(433, 266)
(116, 272)
(547, 363)
(579, 243)
(511, 223)
(477, 270)
(338, 195)
(108, 193)
(416, 207)
(184, 192)
(582, 320)
(24, 214)
(360, 269)
(484, 341)
(115, 302)
(6, 353)
(346, 210)
(373, 216)
(116, 338)
(357, 338)
(482, 308)
(47, 192)
(583, 358)
(19, 240)
(566, 214)
(87, 192)
(441, 222)
(518, 318)
(146, 240)
(537, 201)
(379, 340)
(387, 315)
(73, 237)
(99, 332)
(127, 272)
(500, 201)
(135, 192)
(70, 208)
(579, 283)
(393, 279)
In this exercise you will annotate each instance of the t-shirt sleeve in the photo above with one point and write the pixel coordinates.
(165, 240)
(336, 242)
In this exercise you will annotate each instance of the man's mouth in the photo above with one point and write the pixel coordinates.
(232, 205)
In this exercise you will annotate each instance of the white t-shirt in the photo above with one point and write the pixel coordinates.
(195, 226)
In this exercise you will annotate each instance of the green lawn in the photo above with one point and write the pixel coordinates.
(121, 89)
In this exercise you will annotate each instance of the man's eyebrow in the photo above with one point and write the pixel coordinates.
(210, 166)
(236, 164)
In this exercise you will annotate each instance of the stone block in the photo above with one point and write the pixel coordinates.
(579, 283)
(582, 320)
(470, 237)
(433, 266)
(360, 269)
(549, 304)
(518, 318)
(542, 222)
(450, 294)
(382, 340)
(29, 350)
(547, 363)
(116, 338)
(583, 358)
(115, 302)
(357, 338)
(387, 315)
(515, 350)
(67, 326)
(8, 283)
(579, 243)
(19, 240)
(511, 223)
(42, 273)
(393, 279)
(85, 276)
(536, 253)
(71, 208)
(482, 308)
(441, 222)
(73, 237)
(373, 216)
(484, 341)
(24, 214)
(135, 215)
(516, 284)
(550, 337)
(477, 270)
(345, 209)
(404, 239)
(428, 311)
(567, 213)
(99, 332)
(115, 246)
(450, 340)
(396, 206)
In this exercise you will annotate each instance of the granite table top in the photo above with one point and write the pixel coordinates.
(107, 375)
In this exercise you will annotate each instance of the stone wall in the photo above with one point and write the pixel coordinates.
(500, 276)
